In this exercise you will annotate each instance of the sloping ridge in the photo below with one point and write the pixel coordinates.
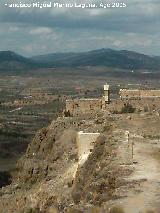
(123, 59)
(10, 61)
(102, 57)
(46, 171)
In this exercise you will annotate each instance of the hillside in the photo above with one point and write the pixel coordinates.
(46, 180)
(127, 60)
(10, 61)
(103, 57)
(49, 178)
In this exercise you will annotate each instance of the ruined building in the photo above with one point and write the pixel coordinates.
(141, 100)
(83, 105)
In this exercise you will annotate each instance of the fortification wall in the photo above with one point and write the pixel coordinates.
(149, 93)
(133, 94)
(147, 104)
(129, 93)
(92, 105)
(85, 143)
(141, 100)
(83, 105)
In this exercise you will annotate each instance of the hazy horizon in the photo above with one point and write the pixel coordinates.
(35, 31)
(89, 50)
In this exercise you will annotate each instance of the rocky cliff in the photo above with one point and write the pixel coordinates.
(49, 179)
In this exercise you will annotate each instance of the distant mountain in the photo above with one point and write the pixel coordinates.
(123, 59)
(103, 57)
(10, 61)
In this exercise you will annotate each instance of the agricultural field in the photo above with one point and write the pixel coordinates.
(24, 109)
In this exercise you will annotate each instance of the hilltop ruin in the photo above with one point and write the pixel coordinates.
(141, 100)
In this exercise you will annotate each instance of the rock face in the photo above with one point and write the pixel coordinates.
(48, 152)
(49, 178)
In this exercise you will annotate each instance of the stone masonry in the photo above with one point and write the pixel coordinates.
(141, 100)
(85, 143)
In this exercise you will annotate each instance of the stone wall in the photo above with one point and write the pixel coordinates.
(141, 100)
(137, 94)
(78, 106)
(83, 105)
(147, 104)
(85, 143)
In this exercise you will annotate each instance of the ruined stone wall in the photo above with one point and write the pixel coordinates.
(141, 100)
(85, 143)
(92, 105)
(149, 93)
(83, 105)
(137, 94)
(146, 104)
(124, 93)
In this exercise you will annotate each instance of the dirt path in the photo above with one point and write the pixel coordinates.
(146, 196)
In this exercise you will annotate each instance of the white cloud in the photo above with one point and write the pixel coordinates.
(35, 31)
(30, 48)
(40, 31)
(13, 29)
(118, 43)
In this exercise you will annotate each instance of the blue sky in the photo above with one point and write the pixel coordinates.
(38, 31)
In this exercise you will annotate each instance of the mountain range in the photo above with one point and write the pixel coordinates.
(10, 61)
(122, 59)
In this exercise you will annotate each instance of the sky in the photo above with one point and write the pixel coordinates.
(34, 31)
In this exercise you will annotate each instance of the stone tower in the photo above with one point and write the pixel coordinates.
(106, 94)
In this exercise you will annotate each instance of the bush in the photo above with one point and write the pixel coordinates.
(128, 108)
(115, 112)
(32, 210)
(107, 128)
(116, 209)
(67, 113)
(146, 109)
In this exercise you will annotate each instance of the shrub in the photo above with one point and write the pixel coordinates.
(107, 128)
(146, 109)
(67, 113)
(116, 209)
(32, 210)
(128, 108)
(115, 112)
